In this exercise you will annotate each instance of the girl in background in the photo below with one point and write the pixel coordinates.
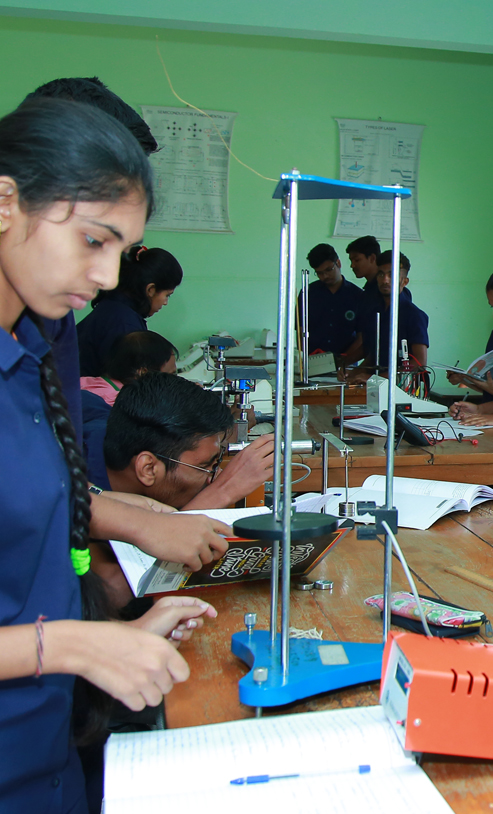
(147, 279)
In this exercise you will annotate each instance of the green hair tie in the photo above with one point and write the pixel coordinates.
(81, 560)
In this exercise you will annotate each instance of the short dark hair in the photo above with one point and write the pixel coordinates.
(138, 269)
(92, 91)
(164, 414)
(57, 150)
(385, 259)
(489, 284)
(320, 254)
(366, 245)
(139, 350)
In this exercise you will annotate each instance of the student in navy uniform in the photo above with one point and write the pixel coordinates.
(363, 254)
(142, 523)
(131, 355)
(468, 412)
(61, 333)
(412, 326)
(72, 181)
(332, 303)
(159, 411)
(147, 279)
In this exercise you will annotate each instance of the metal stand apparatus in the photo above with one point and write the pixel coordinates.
(283, 670)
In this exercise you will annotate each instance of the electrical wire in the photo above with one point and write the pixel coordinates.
(204, 113)
(409, 577)
(303, 477)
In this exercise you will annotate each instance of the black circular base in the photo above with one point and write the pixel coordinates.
(303, 524)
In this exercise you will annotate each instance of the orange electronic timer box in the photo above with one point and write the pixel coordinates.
(438, 694)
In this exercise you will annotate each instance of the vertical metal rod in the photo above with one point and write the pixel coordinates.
(346, 471)
(377, 356)
(278, 421)
(389, 483)
(325, 466)
(288, 429)
(341, 414)
(281, 352)
(304, 288)
(274, 593)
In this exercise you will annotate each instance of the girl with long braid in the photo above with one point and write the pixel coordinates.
(75, 191)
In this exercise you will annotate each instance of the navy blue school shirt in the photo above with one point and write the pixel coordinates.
(114, 316)
(95, 414)
(39, 771)
(331, 317)
(61, 334)
(412, 326)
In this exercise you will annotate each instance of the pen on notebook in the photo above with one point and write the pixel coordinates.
(251, 779)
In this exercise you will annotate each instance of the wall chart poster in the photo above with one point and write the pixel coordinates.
(378, 153)
(191, 169)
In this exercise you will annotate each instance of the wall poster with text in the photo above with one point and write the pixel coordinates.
(380, 153)
(191, 168)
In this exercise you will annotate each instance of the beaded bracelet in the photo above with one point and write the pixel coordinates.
(40, 634)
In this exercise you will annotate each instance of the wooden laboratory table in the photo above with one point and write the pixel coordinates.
(447, 461)
(356, 568)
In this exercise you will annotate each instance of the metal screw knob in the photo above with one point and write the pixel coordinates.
(250, 621)
(260, 674)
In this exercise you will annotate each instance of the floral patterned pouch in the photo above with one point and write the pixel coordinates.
(444, 619)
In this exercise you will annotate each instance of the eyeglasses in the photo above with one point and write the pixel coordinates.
(212, 472)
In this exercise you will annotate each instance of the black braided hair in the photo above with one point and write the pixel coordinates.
(91, 715)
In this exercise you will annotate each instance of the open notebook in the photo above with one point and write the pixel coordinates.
(191, 769)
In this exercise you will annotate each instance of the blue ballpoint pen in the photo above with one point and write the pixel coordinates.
(266, 778)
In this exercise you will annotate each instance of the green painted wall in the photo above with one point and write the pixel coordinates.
(286, 93)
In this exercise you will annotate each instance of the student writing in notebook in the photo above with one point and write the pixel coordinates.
(75, 191)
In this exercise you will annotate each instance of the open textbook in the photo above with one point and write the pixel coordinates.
(478, 369)
(244, 559)
(419, 502)
(191, 769)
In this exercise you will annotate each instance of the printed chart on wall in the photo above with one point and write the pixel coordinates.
(191, 168)
(379, 153)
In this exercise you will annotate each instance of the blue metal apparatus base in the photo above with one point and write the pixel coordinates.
(314, 666)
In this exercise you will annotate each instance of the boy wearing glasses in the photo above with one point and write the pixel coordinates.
(165, 439)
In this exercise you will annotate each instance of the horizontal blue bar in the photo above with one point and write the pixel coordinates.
(312, 187)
